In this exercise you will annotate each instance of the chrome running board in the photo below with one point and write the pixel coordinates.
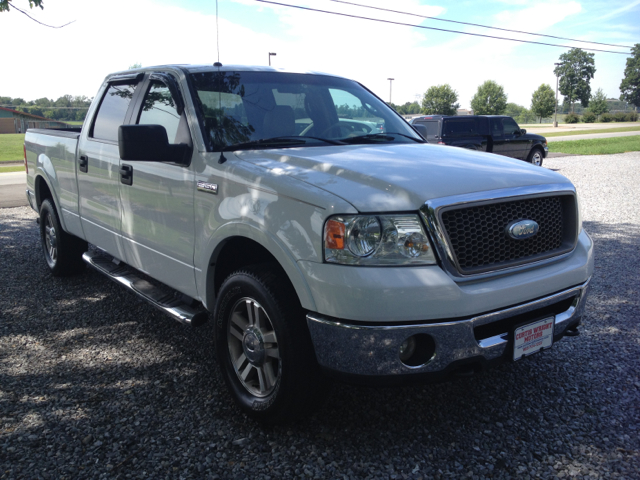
(162, 297)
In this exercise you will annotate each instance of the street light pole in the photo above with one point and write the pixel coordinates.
(270, 55)
(390, 83)
(555, 115)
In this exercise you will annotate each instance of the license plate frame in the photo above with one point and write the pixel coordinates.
(533, 337)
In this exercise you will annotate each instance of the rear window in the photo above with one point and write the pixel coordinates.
(432, 127)
(460, 126)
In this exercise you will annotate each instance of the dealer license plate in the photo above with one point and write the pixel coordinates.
(533, 337)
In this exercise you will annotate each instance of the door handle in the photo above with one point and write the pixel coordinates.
(126, 174)
(83, 163)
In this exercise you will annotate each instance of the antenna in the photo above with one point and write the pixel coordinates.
(217, 33)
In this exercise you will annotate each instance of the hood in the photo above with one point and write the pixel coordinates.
(388, 178)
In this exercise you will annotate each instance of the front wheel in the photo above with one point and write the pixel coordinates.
(264, 348)
(535, 157)
(62, 251)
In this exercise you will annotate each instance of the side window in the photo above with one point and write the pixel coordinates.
(159, 108)
(496, 127)
(112, 111)
(510, 126)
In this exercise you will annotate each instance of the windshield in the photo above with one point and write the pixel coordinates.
(279, 110)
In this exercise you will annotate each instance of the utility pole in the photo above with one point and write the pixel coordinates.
(555, 115)
(390, 83)
(270, 55)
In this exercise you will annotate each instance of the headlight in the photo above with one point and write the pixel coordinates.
(377, 240)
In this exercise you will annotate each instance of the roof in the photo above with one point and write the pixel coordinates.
(223, 68)
(29, 115)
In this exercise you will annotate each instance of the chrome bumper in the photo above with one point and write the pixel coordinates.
(368, 350)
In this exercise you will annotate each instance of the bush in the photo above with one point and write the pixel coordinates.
(589, 117)
(620, 117)
(606, 118)
(571, 118)
(632, 117)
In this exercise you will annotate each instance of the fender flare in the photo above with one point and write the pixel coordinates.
(271, 243)
(46, 171)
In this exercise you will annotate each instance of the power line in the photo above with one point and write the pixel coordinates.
(433, 28)
(477, 25)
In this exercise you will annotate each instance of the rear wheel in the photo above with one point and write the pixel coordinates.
(264, 348)
(62, 251)
(535, 157)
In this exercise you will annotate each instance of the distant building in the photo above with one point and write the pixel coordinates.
(12, 121)
(464, 111)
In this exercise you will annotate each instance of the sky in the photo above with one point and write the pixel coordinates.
(109, 36)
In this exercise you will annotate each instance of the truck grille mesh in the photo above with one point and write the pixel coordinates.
(478, 233)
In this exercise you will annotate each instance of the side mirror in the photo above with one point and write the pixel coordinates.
(150, 143)
(523, 131)
(421, 129)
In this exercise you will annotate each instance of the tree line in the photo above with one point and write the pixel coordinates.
(65, 108)
(575, 70)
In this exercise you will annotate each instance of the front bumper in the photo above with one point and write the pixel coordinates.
(369, 351)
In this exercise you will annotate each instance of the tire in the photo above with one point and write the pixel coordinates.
(264, 348)
(535, 157)
(62, 251)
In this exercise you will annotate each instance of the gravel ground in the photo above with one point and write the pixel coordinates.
(95, 384)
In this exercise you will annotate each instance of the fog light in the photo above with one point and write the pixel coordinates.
(417, 350)
(407, 349)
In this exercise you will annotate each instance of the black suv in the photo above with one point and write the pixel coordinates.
(488, 133)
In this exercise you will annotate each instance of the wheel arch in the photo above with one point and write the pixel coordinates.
(245, 246)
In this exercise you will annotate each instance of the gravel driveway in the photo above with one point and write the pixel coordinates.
(95, 384)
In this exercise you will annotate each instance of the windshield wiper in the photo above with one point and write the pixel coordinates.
(374, 137)
(287, 141)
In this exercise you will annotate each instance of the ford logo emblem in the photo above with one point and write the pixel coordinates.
(521, 229)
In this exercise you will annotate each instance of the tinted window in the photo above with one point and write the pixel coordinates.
(432, 127)
(510, 126)
(462, 126)
(496, 127)
(112, 112)
(159, 108)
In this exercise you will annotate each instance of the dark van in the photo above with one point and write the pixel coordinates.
(488, 133)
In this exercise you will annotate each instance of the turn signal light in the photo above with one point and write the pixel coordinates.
(334, 235)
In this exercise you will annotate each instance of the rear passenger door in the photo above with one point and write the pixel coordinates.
(158, 197)
(99, 163)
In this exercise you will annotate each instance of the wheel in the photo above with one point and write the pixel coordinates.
(62, 251)
(535, 157)
(264, 348)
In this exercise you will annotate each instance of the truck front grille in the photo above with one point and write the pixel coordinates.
(477, 233)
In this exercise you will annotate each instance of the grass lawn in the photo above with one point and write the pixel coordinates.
(587, 132)
(17, 168)
(11, 147)
(598, 146)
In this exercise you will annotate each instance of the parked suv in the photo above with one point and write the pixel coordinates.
(488, 133)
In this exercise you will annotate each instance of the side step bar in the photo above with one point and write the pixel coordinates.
(167, 300)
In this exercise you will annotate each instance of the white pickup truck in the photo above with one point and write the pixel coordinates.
(322, 233)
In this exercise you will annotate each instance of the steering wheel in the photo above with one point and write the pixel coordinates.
(339, 128)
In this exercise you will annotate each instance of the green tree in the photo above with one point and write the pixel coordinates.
(5, 4)
(543, 101)
(135, 65)
(490, 99)
(575, 72)
(630, 86)
(598, 103)
(440, 100)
